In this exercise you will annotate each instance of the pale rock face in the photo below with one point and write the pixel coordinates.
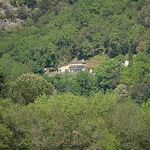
(6, 23)
(2, 13)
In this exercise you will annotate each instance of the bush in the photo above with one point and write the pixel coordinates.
(60, 122)
(140, 92)
(28, 87)
(108, 75)
(129, 127)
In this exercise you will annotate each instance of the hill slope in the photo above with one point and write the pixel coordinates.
(58, 31)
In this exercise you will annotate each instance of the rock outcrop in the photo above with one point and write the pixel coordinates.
(8, 16)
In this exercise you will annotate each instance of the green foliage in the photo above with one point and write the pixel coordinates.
(59, 122)
(73, 122)
(27, 87)
(9, 71)
(137, 78)
(108, 75)
(146, 106)
(58, 31)
(122, 92)
(62, 83)
(145, 109)
(102, 103)
(86, 83)
(130, 127)
(138, 72)
(83, 84)
(53, 33)
(140, 92)
(5, 137)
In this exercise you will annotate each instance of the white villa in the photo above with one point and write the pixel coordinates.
(73, 67)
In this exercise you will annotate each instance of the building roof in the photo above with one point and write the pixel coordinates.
(63, 67)
(76, 65)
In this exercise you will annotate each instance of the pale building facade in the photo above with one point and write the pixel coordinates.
(74, 67)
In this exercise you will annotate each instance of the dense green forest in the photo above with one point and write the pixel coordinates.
(106, 110)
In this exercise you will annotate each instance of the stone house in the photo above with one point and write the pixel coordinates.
(73, 67)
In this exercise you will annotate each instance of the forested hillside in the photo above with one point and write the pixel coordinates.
(108, 109)
(54, 32)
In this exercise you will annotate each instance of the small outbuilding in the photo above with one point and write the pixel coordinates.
(126, 63)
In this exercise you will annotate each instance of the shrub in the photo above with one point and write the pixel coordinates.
(27, 87)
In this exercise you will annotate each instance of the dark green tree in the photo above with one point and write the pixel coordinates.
(28, 87)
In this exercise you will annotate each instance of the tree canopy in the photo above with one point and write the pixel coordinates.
(107, 108)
